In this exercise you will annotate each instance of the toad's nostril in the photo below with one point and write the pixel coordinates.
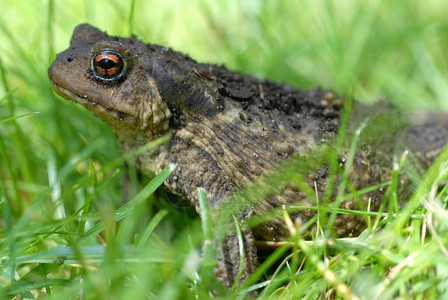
(69, 59)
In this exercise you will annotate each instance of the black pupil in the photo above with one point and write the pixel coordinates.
(106, 63)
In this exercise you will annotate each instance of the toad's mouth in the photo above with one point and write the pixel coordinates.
(91, 104)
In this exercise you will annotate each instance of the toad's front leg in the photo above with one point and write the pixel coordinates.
(229, 268)
(197, 169)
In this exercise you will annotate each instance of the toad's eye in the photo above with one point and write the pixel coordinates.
(107, 65)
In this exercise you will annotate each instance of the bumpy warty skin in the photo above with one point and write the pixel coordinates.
(226, 128)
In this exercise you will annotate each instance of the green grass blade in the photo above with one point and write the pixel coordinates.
(151, 226)
(128, 208)
(208, 258)
(17, 117)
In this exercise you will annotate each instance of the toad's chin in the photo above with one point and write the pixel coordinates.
(98, 109)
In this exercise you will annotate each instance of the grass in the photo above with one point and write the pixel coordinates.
(65, 231)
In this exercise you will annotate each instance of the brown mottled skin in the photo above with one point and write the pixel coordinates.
(227, 129)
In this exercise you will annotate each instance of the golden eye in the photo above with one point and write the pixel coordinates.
(107, 64)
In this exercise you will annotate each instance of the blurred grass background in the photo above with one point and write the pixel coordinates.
(55, 160)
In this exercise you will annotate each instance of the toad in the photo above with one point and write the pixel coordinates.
(226, 130)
